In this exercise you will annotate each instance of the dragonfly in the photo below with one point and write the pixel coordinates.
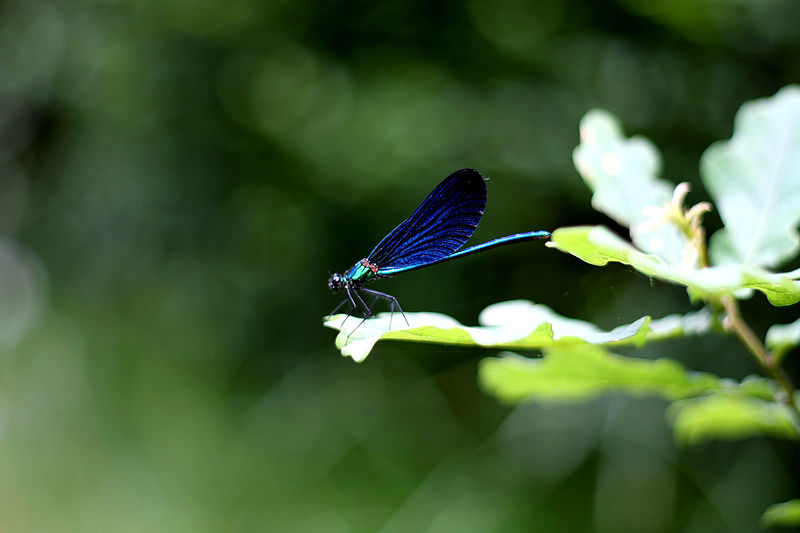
(434, 233)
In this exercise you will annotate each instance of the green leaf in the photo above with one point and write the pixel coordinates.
(598, 246)
(754, 179)
(622, 174)
(520, 315)
(731, 416)
(671, 326)
(785, 514)
(518, 324)
(783, 337)
(579, 372)
(758, 387)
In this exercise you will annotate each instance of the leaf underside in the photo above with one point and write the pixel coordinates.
(598, 246)
(754, 179)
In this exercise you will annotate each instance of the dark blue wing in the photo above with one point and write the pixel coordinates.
(441, 224)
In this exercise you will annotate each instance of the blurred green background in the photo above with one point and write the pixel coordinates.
(178, 179)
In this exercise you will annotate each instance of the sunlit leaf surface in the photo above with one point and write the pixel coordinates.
(598, 245)
(783, 337)
(622, 173)
(694, 323)
(754, 179)
(731, 416)
(757, 387)
(785, 514)
(518, 324)
(579, 372)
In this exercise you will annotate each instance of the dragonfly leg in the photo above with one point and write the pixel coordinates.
(349, 300)
(353, 302)
(356, 301)
(350, 297)
(362, 302)
(339, 306)
(389, 298)
(358, 326)
(373, 301)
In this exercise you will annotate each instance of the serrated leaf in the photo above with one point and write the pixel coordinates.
(779, 289)
(786, 514)
(754, 179)
(570, 373)
(518, 324)
(730, 416)
(758, 387)
(521, 314)
(598, 246)
(694, 323)
(783, 337)
(622, 173)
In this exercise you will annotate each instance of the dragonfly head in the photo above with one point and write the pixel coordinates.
(335, 283)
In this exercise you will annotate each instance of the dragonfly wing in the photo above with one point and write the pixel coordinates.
(440, 225)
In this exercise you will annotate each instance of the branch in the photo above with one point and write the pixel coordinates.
(736, 323)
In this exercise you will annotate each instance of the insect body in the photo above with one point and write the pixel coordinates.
(432, 234)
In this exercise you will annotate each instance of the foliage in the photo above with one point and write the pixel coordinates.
(782, 514)
(754, 180)
(178, 179)
(518, 324)
(783, 337)
(730, 415)
(598, 246)
(582, 371)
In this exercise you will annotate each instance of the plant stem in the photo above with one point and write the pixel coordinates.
(757, 349)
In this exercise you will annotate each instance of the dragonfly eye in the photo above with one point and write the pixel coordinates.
(335, 283)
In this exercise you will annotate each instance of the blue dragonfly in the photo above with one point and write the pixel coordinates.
(432, 234)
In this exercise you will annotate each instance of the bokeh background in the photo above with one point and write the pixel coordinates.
(178, 179)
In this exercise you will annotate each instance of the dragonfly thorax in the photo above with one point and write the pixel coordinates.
(360, 273)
